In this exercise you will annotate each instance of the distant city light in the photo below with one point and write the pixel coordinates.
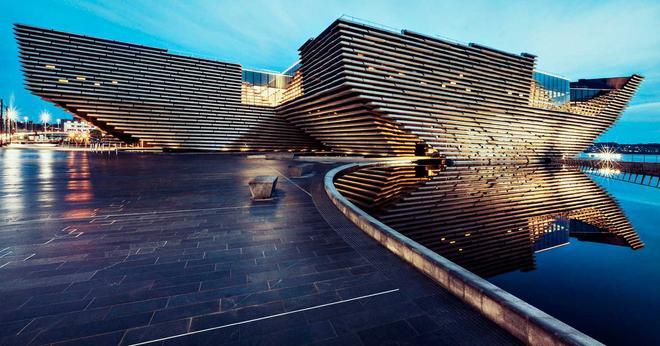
(608, 154)
(45, 116)
(608, 172)
(12, 113)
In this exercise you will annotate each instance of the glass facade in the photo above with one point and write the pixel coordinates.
(266, 79)
(263, 88)
(291, 71)
(584, 94)
(557, 88)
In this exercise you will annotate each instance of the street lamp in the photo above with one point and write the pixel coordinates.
(45, 118)
(12, 116)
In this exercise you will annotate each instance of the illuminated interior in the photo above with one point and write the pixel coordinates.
(262, 88)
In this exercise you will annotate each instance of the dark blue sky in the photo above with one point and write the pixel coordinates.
(576, 39)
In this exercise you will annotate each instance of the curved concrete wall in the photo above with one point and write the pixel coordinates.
(521, 319)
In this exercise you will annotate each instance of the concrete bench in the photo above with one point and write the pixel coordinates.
(284, 155)
(262, 187)
(297, 171)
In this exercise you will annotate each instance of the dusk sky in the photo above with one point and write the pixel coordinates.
(575, 39)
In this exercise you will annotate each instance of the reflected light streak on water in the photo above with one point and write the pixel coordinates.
(79, 187)
(12, 179)
(45, 177)
(78, 190)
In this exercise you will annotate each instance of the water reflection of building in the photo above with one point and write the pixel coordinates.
(492, 219)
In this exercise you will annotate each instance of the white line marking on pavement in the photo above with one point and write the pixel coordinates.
(265, 318)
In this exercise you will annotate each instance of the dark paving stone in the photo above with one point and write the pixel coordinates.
(423, 324)
(147, 246)
(136, 307)
(186, 311)
(216, 294)
(73, 318)
(237, 315)
(35, 311)
(388, 333)
(310, 300)
(156, 331)
(348, 339)
(222, 336)
(301, 335)
(12, 328)
(108, 339)
(250, 299)
(144, 295)
(92, 328)
(271, 325)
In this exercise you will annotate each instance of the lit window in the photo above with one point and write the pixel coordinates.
(114, 82)
(460, 75)
(452, 83)
(521, 95)
(97, 84)
(50, 66)
(510, 93)
(370, 68)
(452, 242)
(468, 89)
(360, 54)
(63, 80)
(80, 78)
(444, 86)
(422, 82)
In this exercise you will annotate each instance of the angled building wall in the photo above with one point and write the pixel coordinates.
(466, 102)
(138, 93)
(357, 90)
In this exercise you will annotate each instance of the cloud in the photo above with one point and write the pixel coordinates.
(644, 112)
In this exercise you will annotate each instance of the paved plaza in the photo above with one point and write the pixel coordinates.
(170, 248)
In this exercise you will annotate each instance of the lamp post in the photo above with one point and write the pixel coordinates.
(58, 124)
(2, 122)
(25, 123)
(12, 117)
(45, 118)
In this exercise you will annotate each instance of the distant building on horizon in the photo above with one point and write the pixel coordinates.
(77, 126)
(357, 89)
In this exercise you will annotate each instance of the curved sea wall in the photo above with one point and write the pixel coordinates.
(521, 319)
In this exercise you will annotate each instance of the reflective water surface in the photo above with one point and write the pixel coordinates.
(584, 249)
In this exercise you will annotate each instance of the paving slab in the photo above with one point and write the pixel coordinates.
(171, 248)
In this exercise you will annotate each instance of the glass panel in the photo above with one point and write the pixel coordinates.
(269, 89)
